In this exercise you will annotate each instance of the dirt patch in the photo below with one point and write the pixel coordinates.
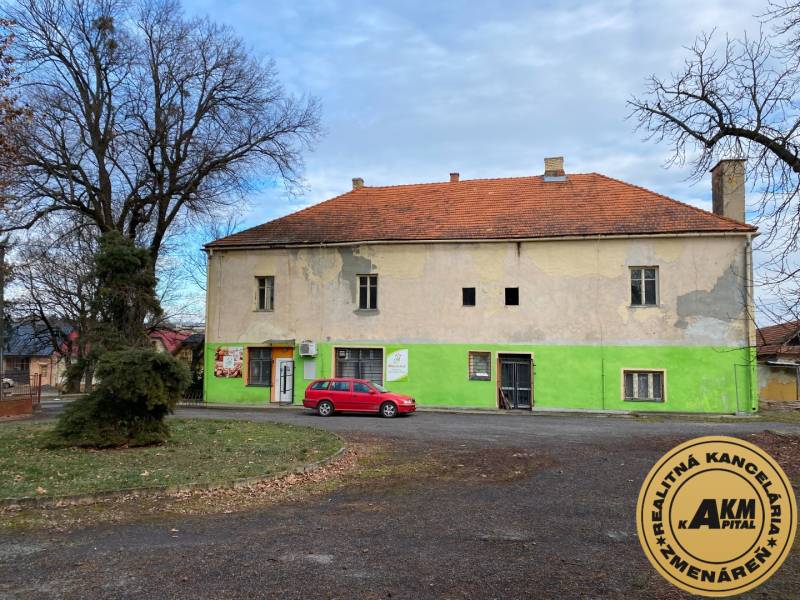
(782, 447)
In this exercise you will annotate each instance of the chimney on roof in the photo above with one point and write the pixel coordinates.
(727, 189)
(454, 177)
(554, 169)
(358, 183)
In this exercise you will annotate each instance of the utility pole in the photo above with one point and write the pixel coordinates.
(2, 317)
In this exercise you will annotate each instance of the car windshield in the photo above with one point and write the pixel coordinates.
(379, 387)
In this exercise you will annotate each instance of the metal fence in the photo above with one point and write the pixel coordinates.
(18, 385)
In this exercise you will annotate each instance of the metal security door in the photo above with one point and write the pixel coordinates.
(285, 374)
(515, 380)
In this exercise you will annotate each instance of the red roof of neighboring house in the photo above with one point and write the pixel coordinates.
(171, 339)
(778, 339)
(512, 208)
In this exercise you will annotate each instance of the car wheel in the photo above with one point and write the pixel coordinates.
(388, 410)
(325, 408)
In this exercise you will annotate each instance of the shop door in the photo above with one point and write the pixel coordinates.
(515, 380)
(284, 369)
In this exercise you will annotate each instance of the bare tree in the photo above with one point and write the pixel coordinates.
(11, 113)
(738, 98)
(56, 288)
(143, 117)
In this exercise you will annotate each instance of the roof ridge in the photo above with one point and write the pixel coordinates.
(513, 178)
(665, 197)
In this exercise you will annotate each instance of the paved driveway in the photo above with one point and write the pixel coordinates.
(513, 507)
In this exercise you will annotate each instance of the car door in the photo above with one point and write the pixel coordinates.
(363, 397)
(339, 392)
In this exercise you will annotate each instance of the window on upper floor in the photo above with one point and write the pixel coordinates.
(265, 293)
(468, 296)
(368, 292)
(512, 296)
(644, 386)
(644, 286)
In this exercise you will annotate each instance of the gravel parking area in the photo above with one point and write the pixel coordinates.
(501, 507)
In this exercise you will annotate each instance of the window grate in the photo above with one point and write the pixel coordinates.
(360, 363)
(644, 386)
(480, 366)
(259, 371)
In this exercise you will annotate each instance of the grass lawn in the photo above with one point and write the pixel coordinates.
(198, 451)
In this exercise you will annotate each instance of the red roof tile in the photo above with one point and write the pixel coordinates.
(776, 339)
(512, 208)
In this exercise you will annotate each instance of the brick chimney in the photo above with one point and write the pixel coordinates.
(358, 183)
(554, 169)
(727, 189)
(454, 177)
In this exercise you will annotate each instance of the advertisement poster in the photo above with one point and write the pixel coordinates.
(228, 361)
(397, 366)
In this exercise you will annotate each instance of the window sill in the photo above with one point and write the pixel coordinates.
(258, 385)
(367, 311)
(263, 310)
(644, 306)
(651, 400)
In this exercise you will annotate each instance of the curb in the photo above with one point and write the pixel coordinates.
(536, 412)
(163, 490)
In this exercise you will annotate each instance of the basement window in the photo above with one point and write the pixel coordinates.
(468, 296)
(480, 366)
(368, 292)
(644, 386)
(265, 293)
(512, 296)
(644, 286)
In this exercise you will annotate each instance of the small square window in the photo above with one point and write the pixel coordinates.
(512, 296)
(368, 292)
(468, 296)
(643, 386)
(644, 286)
(480, 366)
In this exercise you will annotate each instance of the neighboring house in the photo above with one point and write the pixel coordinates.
(30, 353)
(190, 351)
(167, 340)
(558, 291)
(778, 351)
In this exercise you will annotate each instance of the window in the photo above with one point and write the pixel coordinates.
(647, 386)
(265, 293)
(644, 286)
(368, 292)
(468, 296)
(512, 296)
(360, 363)
(260, 366)
(320, 385)
(480, 366)
(361, 388)
(340, 386)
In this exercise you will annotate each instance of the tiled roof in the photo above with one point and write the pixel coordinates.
(776, 339)
(512, 208)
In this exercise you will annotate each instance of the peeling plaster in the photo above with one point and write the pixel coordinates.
(723, 300)
(353, 265)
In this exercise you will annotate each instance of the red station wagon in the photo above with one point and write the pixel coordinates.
(355, 395)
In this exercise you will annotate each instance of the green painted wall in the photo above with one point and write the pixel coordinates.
(698, 379)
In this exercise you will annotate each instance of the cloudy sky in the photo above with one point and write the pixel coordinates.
(415, 89)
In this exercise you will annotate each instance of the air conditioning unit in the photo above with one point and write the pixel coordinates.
(308, 348)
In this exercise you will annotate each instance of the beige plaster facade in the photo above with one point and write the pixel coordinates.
(571, 292)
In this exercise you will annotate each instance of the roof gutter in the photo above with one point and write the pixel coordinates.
(564, 238)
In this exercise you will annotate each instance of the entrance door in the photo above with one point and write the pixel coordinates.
(284, 371)
(515, 380)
